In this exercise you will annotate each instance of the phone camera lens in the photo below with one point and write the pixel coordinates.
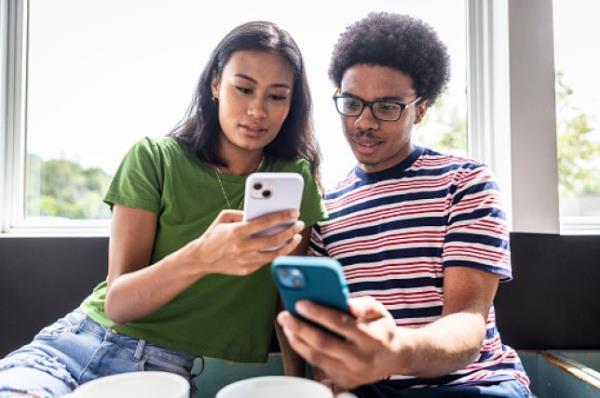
(290, 277)
(257, 186)
(266, 193)
(283, 272)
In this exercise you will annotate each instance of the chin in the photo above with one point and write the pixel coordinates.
(252, 145)
(372, 159)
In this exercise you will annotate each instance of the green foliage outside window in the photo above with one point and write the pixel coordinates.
(449, 123)
(578, 153)
(63, 188)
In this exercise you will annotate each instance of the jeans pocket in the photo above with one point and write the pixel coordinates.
(69, 324)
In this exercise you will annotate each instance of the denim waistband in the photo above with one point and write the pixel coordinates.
(139, 345)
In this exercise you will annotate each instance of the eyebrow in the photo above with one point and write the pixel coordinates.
(246, 77)
(388, 98)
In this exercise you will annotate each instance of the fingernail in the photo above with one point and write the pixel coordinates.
(288, 332)
(281, 319)
(302, 307)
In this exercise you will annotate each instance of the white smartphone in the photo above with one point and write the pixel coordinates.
(271, 192)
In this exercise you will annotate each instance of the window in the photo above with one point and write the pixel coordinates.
(577, 112)
(96, 80)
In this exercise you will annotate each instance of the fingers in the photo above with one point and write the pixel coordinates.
(257, 259)
(336, 360)
(229, 216)
(253, 259)
(366, 308)
(290, 236)
(334, 320)
(270, 220)
(308, 341)
(313, 339)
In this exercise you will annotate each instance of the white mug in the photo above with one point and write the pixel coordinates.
(133, 385)
(278, 387)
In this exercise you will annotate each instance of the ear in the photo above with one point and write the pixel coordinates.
(214, 85)
(421, 111)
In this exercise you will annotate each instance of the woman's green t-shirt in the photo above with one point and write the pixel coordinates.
(222, 316)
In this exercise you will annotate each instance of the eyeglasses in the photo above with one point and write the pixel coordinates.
(387, 111)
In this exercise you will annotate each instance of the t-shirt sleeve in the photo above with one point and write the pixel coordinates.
(477, 233)
(312, 208)
(138, 180)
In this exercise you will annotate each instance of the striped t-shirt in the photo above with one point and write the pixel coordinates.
(395, 231)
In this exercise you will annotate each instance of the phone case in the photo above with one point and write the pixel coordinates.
(270, 192)
(323, 281)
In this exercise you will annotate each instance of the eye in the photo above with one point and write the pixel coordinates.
(243, 90)
(277, 97)
(387, 107)
(352, 103)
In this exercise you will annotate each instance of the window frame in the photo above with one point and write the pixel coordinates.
(508, 69)
(13, 37)
(488, 96)
(13, 86)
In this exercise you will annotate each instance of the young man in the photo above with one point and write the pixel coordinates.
(421, 235)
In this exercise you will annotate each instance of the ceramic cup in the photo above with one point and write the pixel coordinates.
(135, 384)
(278, 387)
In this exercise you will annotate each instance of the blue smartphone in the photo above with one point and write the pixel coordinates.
(318, 279)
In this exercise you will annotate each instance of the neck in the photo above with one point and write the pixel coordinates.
(241, 163)
(241, 167)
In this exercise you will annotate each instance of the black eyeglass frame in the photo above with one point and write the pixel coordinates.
(369, 104)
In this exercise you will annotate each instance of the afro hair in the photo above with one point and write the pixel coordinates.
(396, 41)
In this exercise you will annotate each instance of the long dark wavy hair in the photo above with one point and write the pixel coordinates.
(199, 129)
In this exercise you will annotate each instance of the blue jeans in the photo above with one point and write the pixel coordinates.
(504, 389)
(75, 350)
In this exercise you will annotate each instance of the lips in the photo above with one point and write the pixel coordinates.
(365, 145)
(253, 129)
(367, 142)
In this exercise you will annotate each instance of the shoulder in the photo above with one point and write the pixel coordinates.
(290, 165)
(157, 148)
(297, 165)
(455, 169)
(158, 144)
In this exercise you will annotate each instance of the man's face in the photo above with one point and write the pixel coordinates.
(376, 144)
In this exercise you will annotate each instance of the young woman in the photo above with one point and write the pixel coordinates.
(186, 275)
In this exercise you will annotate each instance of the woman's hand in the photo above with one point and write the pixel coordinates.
(137, 288)
(230, 245)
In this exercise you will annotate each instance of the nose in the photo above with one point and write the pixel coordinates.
(256, 108)
(366, 121)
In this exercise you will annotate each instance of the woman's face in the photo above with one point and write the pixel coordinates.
(254, 94)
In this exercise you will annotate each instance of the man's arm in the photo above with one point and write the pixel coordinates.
(375, 347)
(453, 341)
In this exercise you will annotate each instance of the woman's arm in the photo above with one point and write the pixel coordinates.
(137, 289)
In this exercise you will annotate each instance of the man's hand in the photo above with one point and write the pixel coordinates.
(374, 347)
(365, 356)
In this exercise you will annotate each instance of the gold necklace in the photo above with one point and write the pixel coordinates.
(218, 172)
